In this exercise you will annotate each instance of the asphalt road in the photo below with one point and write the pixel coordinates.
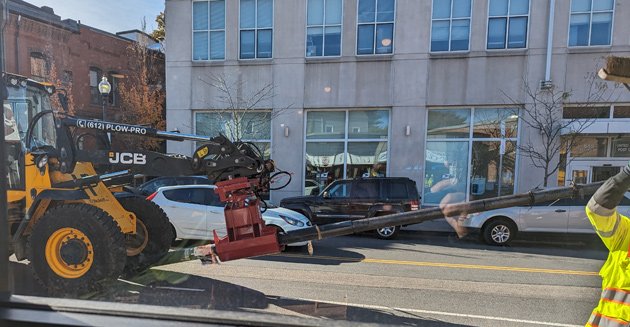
(424, 279)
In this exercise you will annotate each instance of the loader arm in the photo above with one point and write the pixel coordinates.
(217, 157)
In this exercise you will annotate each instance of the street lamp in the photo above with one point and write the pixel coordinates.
(104, 88)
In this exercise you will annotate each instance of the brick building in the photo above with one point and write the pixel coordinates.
(40, 45)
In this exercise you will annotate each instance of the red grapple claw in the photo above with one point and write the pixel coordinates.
(247, 236)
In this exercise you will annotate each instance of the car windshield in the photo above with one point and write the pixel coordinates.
(428, 162)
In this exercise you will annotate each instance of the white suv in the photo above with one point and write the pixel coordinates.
(195, 211)
(498, 227)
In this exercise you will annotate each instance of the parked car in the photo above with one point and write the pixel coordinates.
(195, 211)
(500, 226)
(152, 186)
(350, 199)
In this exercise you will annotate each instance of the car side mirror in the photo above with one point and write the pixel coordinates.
(326, 195)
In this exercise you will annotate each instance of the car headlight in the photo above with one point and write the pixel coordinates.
(292, 221)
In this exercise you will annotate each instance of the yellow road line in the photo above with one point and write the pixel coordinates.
(445, 265)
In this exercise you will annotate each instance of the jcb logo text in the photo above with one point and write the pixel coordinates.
(127, 158)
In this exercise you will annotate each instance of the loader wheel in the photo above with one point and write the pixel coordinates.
(153, 237)
(76, 248)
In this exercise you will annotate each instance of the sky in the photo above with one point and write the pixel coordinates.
(110, 15)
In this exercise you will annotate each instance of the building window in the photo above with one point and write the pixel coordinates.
(39, 66)
(621, 111)
(243, 126)
(450, 25)
(586, 112)
(375, 27)
(591, 22)
(335, 152)
(585, 146)
(208, 30)
(256, 29)
(95, 77)
(323, 31)
(470, 154)
(507, 24)
(114, 95)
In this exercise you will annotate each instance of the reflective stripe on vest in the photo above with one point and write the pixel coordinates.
(599, 320)
(617, 296)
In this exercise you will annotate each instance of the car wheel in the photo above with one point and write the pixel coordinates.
(387, 233)
(279, 231)
(499, 232)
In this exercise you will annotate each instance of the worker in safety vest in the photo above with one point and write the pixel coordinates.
(614, 230)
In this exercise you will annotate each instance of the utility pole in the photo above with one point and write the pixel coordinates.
(4, 222)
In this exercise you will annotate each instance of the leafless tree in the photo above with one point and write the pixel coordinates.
(242, 113)
(555, 133)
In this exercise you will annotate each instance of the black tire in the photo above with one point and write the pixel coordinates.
(387, 233)
(153, 238)
(99, 250)
(279, 231)
(499, 231)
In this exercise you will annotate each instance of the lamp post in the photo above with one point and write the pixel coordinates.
(104, 88)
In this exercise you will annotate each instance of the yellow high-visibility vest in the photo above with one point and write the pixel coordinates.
(613, 309)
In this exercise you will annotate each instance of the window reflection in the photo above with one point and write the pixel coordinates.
(323, 35)
(367, 159)
(372, 124)
(446, 169)
(492, 168)
(492, 148)
(450, 29)
(324, 164)
(326, 125)
(591, 22)
(449, 123)
(495, 123)
(356, 146)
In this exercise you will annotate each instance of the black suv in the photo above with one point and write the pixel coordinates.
(350, 199)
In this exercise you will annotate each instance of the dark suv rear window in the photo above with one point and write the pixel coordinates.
(397, 190)
(365, 190)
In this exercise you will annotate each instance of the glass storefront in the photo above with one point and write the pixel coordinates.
(245, 126)
(254, 127)
(344, 144)
(594, 158)
(471, 153)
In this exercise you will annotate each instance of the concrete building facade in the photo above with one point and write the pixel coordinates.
(426, 89)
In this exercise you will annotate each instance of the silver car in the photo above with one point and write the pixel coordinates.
(500, 226)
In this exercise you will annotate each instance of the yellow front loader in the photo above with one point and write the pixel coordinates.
(77, 232)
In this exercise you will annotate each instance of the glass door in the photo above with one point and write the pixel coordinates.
(604, 172)
(580, 174)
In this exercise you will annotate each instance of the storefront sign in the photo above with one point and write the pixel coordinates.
(621, 147)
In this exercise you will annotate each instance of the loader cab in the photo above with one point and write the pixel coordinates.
(26, 98)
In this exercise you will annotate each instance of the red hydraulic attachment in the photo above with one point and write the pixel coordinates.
(247, 236)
